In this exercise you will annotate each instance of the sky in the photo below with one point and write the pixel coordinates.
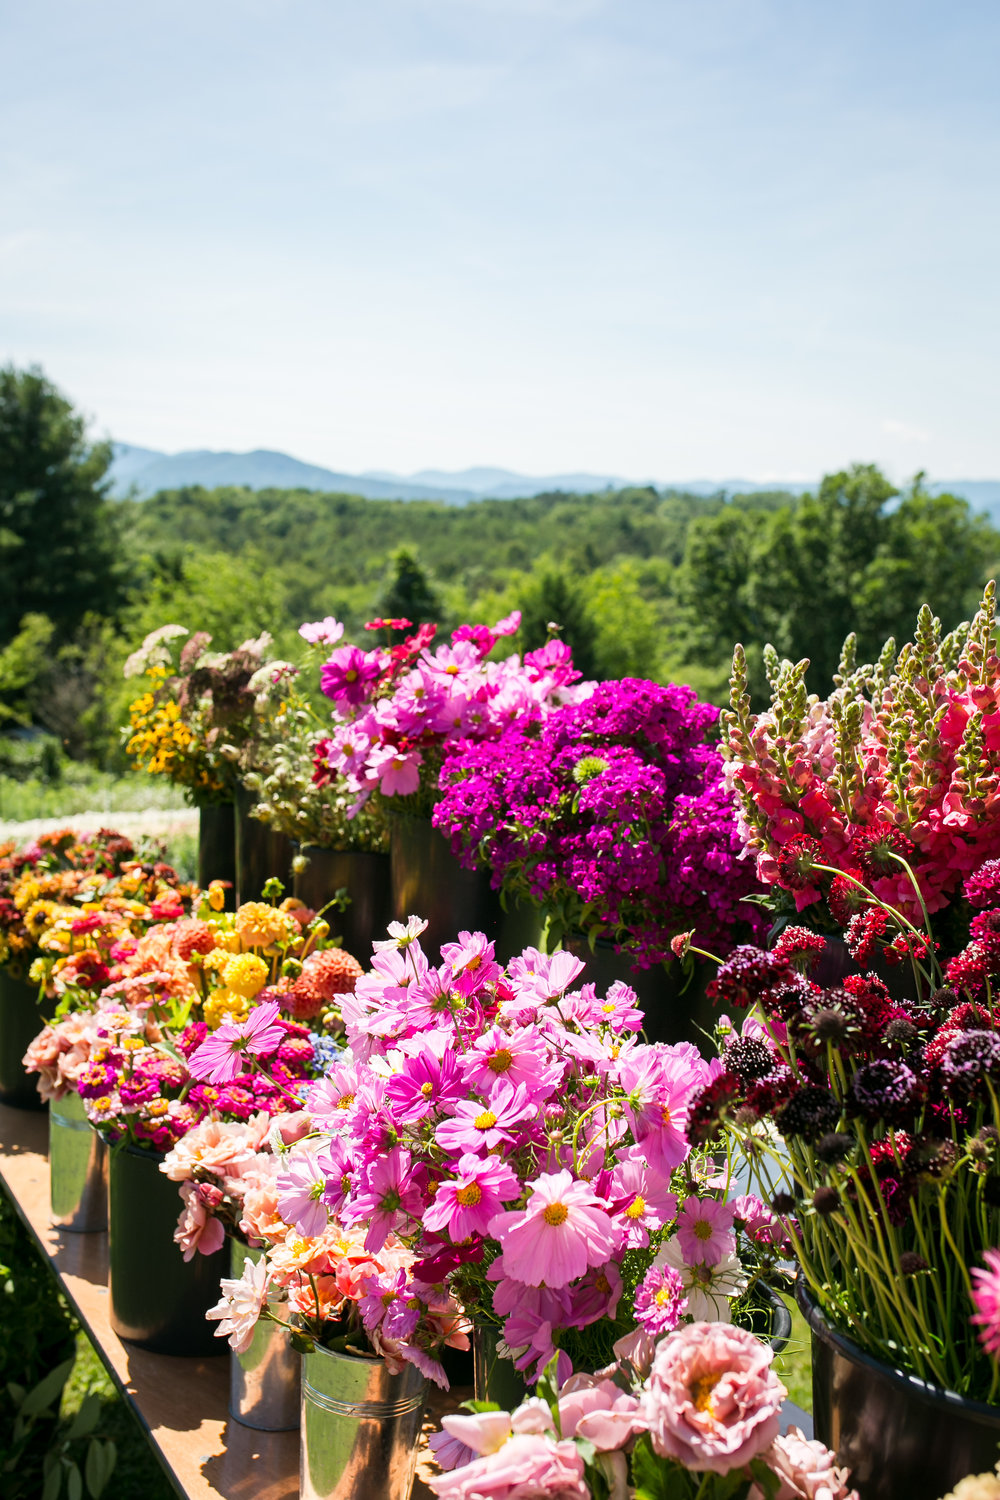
(664, 239)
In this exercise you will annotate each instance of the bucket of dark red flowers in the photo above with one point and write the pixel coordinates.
(874, 1124)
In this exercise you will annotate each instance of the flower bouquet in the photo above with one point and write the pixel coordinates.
(611, 813)
(696, 1417)
(900, 763)
(531, 1155)
(197, 712)
(396, 709)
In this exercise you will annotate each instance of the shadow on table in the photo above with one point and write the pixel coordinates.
(255, 1465)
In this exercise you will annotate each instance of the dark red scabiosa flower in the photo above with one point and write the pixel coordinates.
(796, 863)
(749, 1057)
(907, 945)
(790, 998)
(748, 974)
(826, 1200)
(708, 1108)
(901, 1032)
(863, 933)
(984, 930)
(809, 1114)
(911, 1264)
(967, 1061)
(872, 1004)
(885, 1090)
(845, 899)
(799, 946)
(878, 849)
(930, 1159)
(969, 970)
(982, 888)
(829, 1022)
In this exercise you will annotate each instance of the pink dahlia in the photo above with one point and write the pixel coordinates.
(712, 1400)
(660, 1302)
(986, 1300)
(564, 1229)
(220, 1057)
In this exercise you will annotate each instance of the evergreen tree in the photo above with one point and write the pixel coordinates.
(554, 604)
(409, 595)
(58, 546)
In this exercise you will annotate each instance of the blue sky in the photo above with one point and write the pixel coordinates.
(671, 240)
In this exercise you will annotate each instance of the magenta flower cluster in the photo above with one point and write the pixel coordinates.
(396, 708)
(611, 813)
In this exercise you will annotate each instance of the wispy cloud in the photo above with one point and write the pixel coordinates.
(907, 431)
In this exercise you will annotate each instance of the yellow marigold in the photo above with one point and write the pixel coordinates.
(246, 975)
(39, 915)
(260, 925)
(216, 961)
(26, 892)
(217, 895)
(223, 1005)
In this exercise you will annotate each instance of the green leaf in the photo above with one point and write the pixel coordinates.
(655, 1478)
(47, 1390)
(767, 1480)
(15, 1392)
(53, 1483)
(86, 1418)
(74, 1484)
(548, 1389)
(478, 1406)
(101, 1460)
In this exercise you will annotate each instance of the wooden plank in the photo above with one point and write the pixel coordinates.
(180, 1402)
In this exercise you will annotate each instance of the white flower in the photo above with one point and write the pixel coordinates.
(709, 1289)
(401, 935)
(241, 1305)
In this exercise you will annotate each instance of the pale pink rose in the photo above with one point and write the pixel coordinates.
(807, 1470)
(533, 1415)
(529, 1466)
(599, 1411)
(292, 1127)
(196, 1228)
(260, 1219)
(216, 1146)
(712, 1399)
(637, 1349)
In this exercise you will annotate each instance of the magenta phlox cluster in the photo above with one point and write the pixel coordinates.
(612, 811)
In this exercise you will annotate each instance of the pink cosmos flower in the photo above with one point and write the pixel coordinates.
(426, 1084)
(301, 1185)
(712, 1400)
(476, 1126)
(659, 1301)
(509, 625)
(463, 1206)
(241, 1305)
(520, 1055)
(401, 934)
(389, 1195)
(346, 676)
(398, 771)
(528, 1465)
(640, 1199)
(705, 1231)
(986, 1300)
(564, 1229)
(220, 1057)
(322, 632)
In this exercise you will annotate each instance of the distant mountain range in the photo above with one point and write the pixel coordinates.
(143, 471)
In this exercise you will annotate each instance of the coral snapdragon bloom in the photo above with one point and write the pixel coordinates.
(220, 1058)
(563, 1230)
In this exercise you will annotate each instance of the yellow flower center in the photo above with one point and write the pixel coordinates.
(702, 1390)
(427, 1089)
(345, 1101)
(469, 1196)
(501, 1060)
(486, 1120)
(103, 1103)
(663, 1296)
(555, 1213)
(451, 669)
(665, 1114)
(636, 1208)
(351, 675)
(702, 1229)
(609, 1009)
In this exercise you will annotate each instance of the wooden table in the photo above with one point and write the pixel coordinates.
(181, 1403)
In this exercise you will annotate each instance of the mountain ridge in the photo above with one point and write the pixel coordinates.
(140, 472)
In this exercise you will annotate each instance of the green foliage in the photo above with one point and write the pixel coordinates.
(58, 546)
(408, 595)
(553, 603)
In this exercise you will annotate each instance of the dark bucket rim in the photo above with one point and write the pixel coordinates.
(912, 1385)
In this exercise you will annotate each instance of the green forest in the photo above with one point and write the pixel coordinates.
(642, 582)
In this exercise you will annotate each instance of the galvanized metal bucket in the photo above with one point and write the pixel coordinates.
(78, 1169)
(360, 1427)
(264, 1379)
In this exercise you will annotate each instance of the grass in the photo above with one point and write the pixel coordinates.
(82, 788)
(794, 1365)
(138, 1475)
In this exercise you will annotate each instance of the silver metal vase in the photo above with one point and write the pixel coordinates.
(360, 1428)
(264, 1379)
(78, 1169)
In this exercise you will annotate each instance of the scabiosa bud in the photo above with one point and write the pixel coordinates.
(884, 1090)
(828, 1021)
(845, 898)
(749, 1058)
(931, 1158)
(901, 1032)
(826, 1200)
(911, 1264)
(783, 1203)
(809, 1114)
(969, 1059)
(833, 1147)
